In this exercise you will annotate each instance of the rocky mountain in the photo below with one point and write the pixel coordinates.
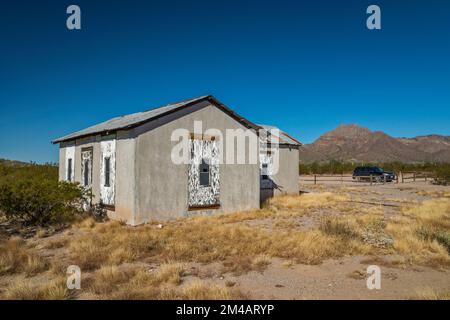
(356, 143)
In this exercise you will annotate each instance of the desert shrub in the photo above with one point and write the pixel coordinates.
(442, 175)
(33, 195)
(430, 234)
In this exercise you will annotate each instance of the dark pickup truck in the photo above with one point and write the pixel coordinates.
(377, 173)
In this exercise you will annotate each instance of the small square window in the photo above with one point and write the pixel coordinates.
(204, 173)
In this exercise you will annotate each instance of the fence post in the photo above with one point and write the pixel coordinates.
(371, 179)
(342, 178)
(315, 179)
(425, 176)
(402, 177)
(384, 179)
(414, 176)
(396, 178)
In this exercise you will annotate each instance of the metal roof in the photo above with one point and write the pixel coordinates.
(135, 119)
(284, 138)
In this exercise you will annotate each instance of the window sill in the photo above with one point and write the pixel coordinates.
(207, 207)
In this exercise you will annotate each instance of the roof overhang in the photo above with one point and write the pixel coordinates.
(211, 99)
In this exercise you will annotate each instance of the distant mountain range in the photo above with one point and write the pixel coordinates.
(356, 143)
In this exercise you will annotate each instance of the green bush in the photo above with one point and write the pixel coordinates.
(33, 195)
(442, 175)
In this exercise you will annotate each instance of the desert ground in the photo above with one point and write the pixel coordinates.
(316, 245)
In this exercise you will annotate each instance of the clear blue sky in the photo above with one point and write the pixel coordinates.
(305, 66)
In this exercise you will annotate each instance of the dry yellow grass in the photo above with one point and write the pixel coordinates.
(432, 294)
(22, 289)
(87, 223)
(289, 206)
(408, 230)
(308, 200)
(202, 291)
(111, 283)
(217, 238)
(106, 280)
(170, 273)
(434, 194)
(17, 257)
(205, 240)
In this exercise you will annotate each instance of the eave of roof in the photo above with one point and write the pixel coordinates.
(136, 119)
(283, 138)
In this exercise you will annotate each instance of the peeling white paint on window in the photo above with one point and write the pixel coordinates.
(266, 165)
(107, 186)
(70, 154)
(86, 168)
(204, 195)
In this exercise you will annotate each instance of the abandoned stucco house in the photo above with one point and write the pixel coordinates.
(128, 162)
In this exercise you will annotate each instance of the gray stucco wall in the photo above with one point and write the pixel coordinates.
(125, 171)
(125, 200)
(288, 173)
(162, 186)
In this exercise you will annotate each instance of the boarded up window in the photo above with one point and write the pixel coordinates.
(107, 171)
(203, 175)
(86, 167)
(69, 170)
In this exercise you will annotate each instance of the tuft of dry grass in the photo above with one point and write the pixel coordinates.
(21, 289)
(56, 244)
(41, 233)
(308, 200)
(240, 265)
(339, 228)
(17, 257)
(434, 193)
(432, 294)
(87, 223)
(106, 279)
(198, 290)
(170, 273)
